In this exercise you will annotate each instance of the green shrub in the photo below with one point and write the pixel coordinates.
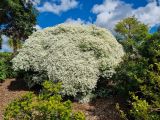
(141, 76)
(79, 116)
(76, 55)
(6, 70)
(140, 108)
(48, 105)
(2, 70)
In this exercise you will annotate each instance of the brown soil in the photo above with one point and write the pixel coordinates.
(100, 109)
(9, 90)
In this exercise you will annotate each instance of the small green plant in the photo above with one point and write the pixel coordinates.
(79, 116)
(121, 112)
(6, 70)
(2, 71)
(48, 105)
(140, 108)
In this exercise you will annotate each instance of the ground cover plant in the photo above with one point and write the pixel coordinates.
(48, 105)
(76, 55)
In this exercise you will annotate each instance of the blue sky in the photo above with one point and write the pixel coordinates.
(103, 13)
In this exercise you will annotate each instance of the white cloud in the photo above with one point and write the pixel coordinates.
(156, 1)
(37, 27)
(112, 11)
(150, 14)
(35, 2)
(64, 5)
(5, 47)
(77, 21)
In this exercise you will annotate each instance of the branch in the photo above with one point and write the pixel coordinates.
(155, 109)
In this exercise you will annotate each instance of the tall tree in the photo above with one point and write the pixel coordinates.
(138, 78)
(133, 32)
(17, 20)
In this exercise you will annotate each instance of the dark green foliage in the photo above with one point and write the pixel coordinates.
(18, 18)
(138, 78)
(28, 77)
(48, 105)
(151, 48)
(104, 88)
(128, 73)
(6, 70)
(2, 70)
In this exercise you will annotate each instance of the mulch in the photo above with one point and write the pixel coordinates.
(99, 109)
(9, 90)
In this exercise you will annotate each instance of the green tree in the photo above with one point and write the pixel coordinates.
(132, 33)
(138, 78)
(17, 20)
(18, 43)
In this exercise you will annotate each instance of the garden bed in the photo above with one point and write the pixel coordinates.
(100, 109)
(9, 90)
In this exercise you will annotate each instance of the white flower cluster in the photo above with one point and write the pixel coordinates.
(74, 54)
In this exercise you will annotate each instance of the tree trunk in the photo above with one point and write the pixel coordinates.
(14, 46)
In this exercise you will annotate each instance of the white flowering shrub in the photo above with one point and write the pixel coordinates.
(77, 55)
